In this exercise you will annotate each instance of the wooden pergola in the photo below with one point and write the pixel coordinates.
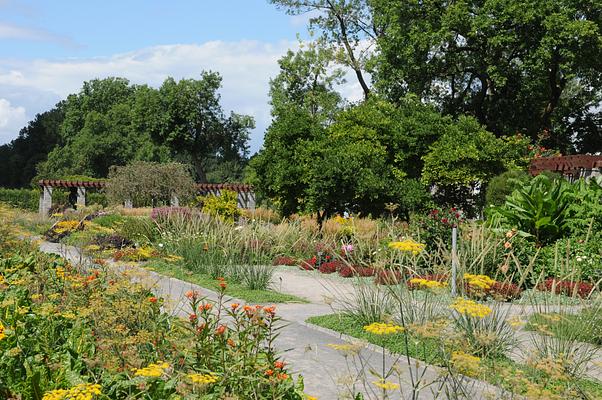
(571, 167)
(246, 195)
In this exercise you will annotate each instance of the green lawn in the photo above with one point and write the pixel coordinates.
(501, 372)
(234, 289)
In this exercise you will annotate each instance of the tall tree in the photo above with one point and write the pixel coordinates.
(507, 62)
(303, 105)
(346, 27)
(19, 158)
(193, 124)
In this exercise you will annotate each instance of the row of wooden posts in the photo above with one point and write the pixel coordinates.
(246, 195)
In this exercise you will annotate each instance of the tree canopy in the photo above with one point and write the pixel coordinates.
(113, 122)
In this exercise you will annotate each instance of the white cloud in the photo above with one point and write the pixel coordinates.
(10, 31)
(246, 68)
(12, 119)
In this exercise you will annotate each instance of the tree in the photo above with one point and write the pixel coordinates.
(19, 158)
(509, 63)
(303, 105)
(97, 132)
(193, 124)
(111, 122)
(463, 160)
(149, 183)
(347, 28)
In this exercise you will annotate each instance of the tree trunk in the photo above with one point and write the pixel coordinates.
(201, 175)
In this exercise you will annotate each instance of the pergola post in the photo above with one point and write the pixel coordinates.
(128, 204)
(174, 201)
(81, 197)
(45, 200)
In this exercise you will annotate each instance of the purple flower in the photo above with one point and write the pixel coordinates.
(347, 248)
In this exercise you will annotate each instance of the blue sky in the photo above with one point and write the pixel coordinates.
(48, 48)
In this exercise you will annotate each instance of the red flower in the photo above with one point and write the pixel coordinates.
(192, 317)
(152, 299)
(279, 364)
(269, 372)
(220, 330)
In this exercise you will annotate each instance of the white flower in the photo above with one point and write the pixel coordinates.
(160, 244)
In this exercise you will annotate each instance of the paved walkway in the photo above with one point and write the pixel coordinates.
(306, 347)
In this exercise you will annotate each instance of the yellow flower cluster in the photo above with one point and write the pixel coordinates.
(65, 226)
(408, 245)
(2, 334)
(479, 281)
(379, 328)
(465, 363)
(347, 349)
(202, 379)
(84, 391)
(427, 283)
(386, 385)
(471, 308)
(153, 370)
(2, 280)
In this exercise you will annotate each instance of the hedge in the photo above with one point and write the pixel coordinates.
(28, 199)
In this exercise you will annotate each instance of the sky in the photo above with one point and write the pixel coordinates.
(49, 48)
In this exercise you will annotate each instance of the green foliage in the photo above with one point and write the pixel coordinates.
(26, 199)
(545, 209)
(224, 206)
(570, 259)
(503, 185)
(148, 183)
(18, 159)
(516, 66)
(539, 208)
(303, 103)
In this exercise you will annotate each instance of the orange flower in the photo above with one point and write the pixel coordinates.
(201, 328)
(220, 330)
(206, 307)
(282, 376)
(234, 306)
(152, 299)
(269, 372)
(231, 343)
(270, 310)
(192, 317)
(192, 294)
(507, 245)
(279, 364)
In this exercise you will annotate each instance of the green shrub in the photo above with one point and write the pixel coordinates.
(570, 259)
(503, 185)
(149, 183)
(539, 208)
(27, 199)
(224, 206)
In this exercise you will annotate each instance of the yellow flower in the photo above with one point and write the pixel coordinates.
(479, 281)
(379, 328)
(386, 385)
(153, 370)
(65, 226)
(470, 308)
(408, 245)
(425, 283)
(2, 334)
(308, 397)
(1, 279)
(203, 379)
(84, 391)
(465, 363)
(347, 349)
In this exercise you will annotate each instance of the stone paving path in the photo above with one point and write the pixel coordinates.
(305, 347)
